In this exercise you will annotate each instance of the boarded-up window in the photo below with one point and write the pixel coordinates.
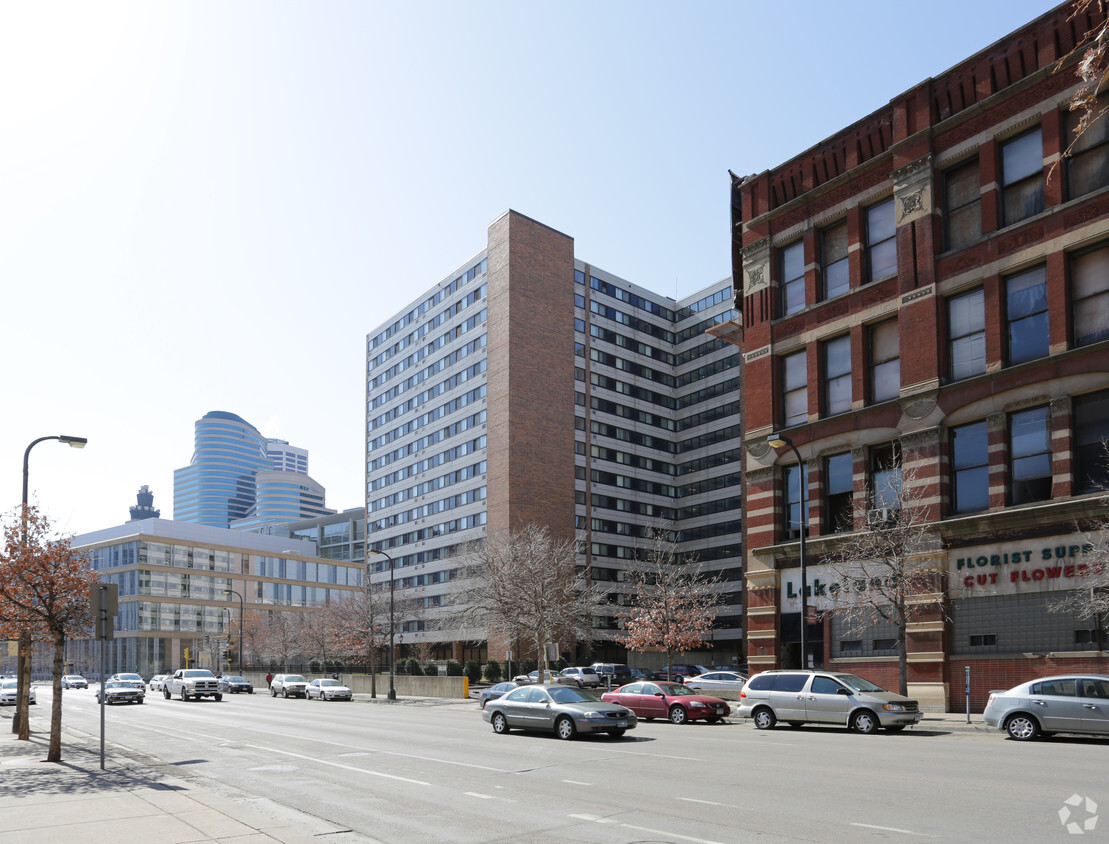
(962, 204)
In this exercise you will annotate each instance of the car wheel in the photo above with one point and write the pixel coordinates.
(273, 692)
(142, 700)
(617, 733)
(564, 727)
(500, 724)
(764, 718)
(863, 722)
(219, 697)
(165, 693)
(285, 693)
(1022, 727)
(678, 715)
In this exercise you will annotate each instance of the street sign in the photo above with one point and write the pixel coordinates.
(104, 601)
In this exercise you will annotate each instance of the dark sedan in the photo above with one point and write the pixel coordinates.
(494, 692)
(672, 701)
(234, 685)
(120, 691)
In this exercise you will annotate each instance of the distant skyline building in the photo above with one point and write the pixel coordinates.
(232, 480)
(144, 509)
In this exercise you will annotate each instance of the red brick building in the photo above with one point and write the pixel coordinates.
(928, 289)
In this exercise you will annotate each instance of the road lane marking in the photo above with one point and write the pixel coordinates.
(575, 782)
(647, 829)
(695, 800)
(480, 796)
(895, 829)
(319, 761)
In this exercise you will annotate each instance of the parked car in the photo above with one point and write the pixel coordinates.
(157, 682)
(1071, 703)
(672, 701)
(565, 710)
(120, 691)
(494, 692)
(613, 674)
(717, 681)
(9, 691)
(191, 683)
(677, 673)
(824, 697)
(235, 685)
(553, 678)
(328, 689)
(74, 681)
(127, 677)
(288, 685)
(583, 677)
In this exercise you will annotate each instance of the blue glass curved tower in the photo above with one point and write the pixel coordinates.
(218, 486)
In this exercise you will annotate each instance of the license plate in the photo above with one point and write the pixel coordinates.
(720, 709)
(621, 723)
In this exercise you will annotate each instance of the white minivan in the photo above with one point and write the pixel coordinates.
(824, 697)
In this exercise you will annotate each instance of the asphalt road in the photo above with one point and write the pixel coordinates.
(407, 772)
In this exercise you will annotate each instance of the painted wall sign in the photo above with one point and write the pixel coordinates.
(1047, 564)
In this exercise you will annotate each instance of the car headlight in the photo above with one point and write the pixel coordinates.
(696, 704)
(894, 707)
(594, 716)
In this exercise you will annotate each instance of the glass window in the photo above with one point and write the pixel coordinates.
(962, 205)
(1088, 163)
(1090, 294)
(885, 476)
(1091, 434)
(1056, 688)
(1022, 168)
(971, 470)
(837, 493)
(795, 389)
(793, 278)
(837, 375)
(824, 686)
(966, 321)
(881, 240)
(1029, 456)
(1026, 310)
(885, 361)
(833, 251)
(792, 494)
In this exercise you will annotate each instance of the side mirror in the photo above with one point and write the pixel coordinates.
(844, 692)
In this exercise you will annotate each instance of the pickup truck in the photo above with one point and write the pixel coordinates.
(192, 683)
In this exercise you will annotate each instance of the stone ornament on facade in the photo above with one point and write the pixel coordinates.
(913, 190)
(919, 407)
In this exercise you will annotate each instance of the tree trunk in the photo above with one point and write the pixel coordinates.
(24, 703)
(55, 753)
(902, 659)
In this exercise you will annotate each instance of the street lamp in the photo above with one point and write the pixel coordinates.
(23, 661)
(240, 597)
(392, 691)
(777, 441)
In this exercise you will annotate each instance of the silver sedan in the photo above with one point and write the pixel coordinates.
(565, 710)
(717, 681)
(1068, 703)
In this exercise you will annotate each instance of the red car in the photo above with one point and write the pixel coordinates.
(668, 700)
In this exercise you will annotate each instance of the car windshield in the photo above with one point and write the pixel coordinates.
(235, 679)
(675, 689)
(330, 683)
(294, 678)
(129, 677)
(197, 672)
(10, 684)
(568, 694)
(858, 683)
(116, 684)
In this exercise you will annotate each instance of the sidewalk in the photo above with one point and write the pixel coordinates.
(78, 801)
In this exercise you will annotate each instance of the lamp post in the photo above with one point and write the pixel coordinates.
(240, 597)
(392, 691)
(23, 661)
(777, 441)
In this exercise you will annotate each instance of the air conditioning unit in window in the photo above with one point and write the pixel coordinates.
(882, 517)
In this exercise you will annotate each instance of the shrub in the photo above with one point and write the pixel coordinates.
(454, 668)
(493, 671)
(431, 669)
(473, 670)
(412, 666)
(527, 666)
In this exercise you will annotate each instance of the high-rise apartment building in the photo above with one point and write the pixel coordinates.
(531, 387)
(925, 310)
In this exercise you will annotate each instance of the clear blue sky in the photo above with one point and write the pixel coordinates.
(207, 205)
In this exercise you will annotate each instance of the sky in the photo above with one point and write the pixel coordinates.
(209, 205)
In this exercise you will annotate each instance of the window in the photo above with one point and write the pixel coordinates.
(881, 241)
(1090, 295)
(884, 644)
(1026, 310)
(983, 640)
(966, 321)
(793, 278)
(885, 361)
(838, 508)
(1091, 434)
(837, 375)
(795, 392)
(846, 645)
(833, 251)
(963, 205)
(1055, 688)
(885, 476)
(824, 686)
(1022, 180)
(1088, 164)
(1029, 456)
(792, 495)
(970, 462)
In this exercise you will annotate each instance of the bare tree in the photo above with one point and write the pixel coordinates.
(525, 584)
(881, 571)
(282, 637)
(1091, 602)
(674, 605)
(1092, 68)
(360, 619)
(320, 633)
